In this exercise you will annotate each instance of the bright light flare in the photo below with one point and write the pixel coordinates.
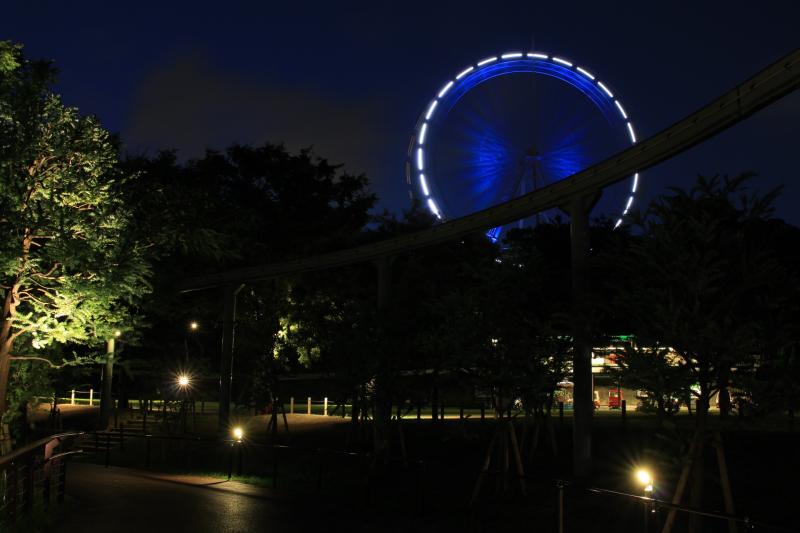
(238, 433)
(644, 477)
(193, 325)
(183, 380)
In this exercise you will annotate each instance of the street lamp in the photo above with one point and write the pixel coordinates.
(238, 433)
(645, 479)
(193, 325)
(183, 381)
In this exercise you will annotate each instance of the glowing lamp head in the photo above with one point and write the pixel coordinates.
(644, 477)
(238, 433)
(183, 380)
(117, 333)
(193, 325)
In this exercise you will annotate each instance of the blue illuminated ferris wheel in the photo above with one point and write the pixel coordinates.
(511, 124)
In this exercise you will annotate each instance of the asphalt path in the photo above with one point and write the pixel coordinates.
(122, 500)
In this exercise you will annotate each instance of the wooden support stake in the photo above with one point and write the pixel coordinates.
(727, 493)
(485, 470)
(682, 482)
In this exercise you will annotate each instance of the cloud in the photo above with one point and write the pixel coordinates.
(190, 105)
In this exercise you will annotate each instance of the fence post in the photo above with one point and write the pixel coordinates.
(623, 407)
(483, 412)
(560, 485)
(11, 481)
(441, 415)
(275, 466)
(461, 413)
(147, 451)
(419, 411)
(309, 405)
(91, 397)
(27, 484)
(144, 420)
(62, 479)
(46, 482)
(108, 448)
(230, 461)
(325, 406)
(121, 437)
(560, 412)
(72, 398)
(291, 405)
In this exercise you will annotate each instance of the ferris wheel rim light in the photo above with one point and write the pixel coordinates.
(424, 184)
(630, 130)
(433, 208)
(619, 106)
(562, 61)
(605, 89)
(511, 56)
(585, 73)
(445, 88)
(431, 109)
(464, 72)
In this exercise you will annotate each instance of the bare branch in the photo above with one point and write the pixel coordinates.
(34, 358)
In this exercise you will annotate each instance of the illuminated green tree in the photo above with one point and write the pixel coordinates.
(69, 268)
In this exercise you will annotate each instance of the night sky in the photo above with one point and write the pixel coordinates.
(351, 78)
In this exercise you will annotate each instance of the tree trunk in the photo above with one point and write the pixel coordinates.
(724, 399)
(5, 368)
(6, 342)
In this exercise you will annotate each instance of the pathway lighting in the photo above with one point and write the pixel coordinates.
(238, 433)
(645, 478)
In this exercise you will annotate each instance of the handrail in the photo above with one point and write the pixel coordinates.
(678, 507)
(10, 457)
(764, 88)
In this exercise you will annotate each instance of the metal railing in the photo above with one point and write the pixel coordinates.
(277, 463)
(29, 475)
(651, 506)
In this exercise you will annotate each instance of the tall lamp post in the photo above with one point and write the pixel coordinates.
(108, 376)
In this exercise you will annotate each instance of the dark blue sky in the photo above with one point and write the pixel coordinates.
(351, 78)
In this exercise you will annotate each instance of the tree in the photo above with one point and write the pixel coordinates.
(70, 269)
(698, 280)
(694, 279)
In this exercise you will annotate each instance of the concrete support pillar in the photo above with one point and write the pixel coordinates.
(226, 357)
(583, 402)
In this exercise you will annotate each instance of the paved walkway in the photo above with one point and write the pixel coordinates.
(122, 500)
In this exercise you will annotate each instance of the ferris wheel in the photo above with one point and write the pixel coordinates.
(511, 124)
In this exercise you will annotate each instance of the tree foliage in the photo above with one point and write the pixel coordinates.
(70, 269)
